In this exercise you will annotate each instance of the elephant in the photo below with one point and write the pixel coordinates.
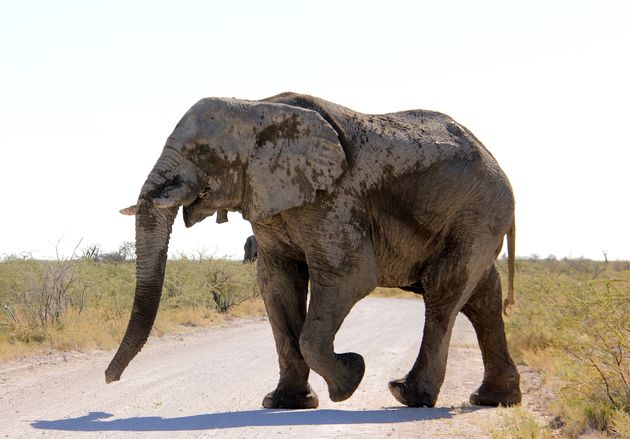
(342, 202)
(251, 249)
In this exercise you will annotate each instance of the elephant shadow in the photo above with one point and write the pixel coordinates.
(96, 421)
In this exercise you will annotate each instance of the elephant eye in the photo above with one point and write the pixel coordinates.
(202, 151)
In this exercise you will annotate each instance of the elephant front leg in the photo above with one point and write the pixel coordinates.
(332, 298)
(284, 289)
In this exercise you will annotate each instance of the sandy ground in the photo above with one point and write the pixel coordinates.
(211, 384)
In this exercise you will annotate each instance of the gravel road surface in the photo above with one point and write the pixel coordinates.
(211, 383)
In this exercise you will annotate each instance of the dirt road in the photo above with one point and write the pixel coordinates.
(211, 384)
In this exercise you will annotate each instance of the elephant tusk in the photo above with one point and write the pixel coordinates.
(131, 210)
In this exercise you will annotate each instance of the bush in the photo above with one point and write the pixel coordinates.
(37, 294)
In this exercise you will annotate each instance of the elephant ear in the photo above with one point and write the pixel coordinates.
(296, 154)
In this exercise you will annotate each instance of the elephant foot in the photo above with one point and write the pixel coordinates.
(346, 383)
(283, 399)
(495, 395)
(412, 396)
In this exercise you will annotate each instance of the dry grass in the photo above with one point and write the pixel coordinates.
(572, 322)
(81, 304)
(518, 423)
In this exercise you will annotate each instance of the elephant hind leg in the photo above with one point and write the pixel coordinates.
(445, 289)
(500, 384)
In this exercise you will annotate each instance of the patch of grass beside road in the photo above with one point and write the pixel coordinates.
(84, 303)
(572, 322)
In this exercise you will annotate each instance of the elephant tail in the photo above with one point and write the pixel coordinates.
(511, 248)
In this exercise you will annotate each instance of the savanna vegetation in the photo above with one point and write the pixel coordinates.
(571, 321)
(83, 301)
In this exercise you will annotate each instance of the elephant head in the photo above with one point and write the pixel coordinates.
(258, 158)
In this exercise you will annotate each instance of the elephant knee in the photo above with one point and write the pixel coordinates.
(308, 347)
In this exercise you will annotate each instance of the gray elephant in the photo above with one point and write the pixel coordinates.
(346, 202)
(251, 249)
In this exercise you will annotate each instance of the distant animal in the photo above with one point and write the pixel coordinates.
(251, 250)
(342, 202)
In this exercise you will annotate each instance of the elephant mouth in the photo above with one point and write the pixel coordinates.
(200, 209)
(196, 212)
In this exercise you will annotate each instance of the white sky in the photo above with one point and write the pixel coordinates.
(89, 92)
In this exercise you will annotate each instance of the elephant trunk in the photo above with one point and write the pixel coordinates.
(153, 229)
(172, 182)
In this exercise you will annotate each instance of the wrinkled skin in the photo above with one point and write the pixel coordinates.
(251, 249)
(345, 202)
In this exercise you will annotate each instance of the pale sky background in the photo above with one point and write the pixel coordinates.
(89, 92)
